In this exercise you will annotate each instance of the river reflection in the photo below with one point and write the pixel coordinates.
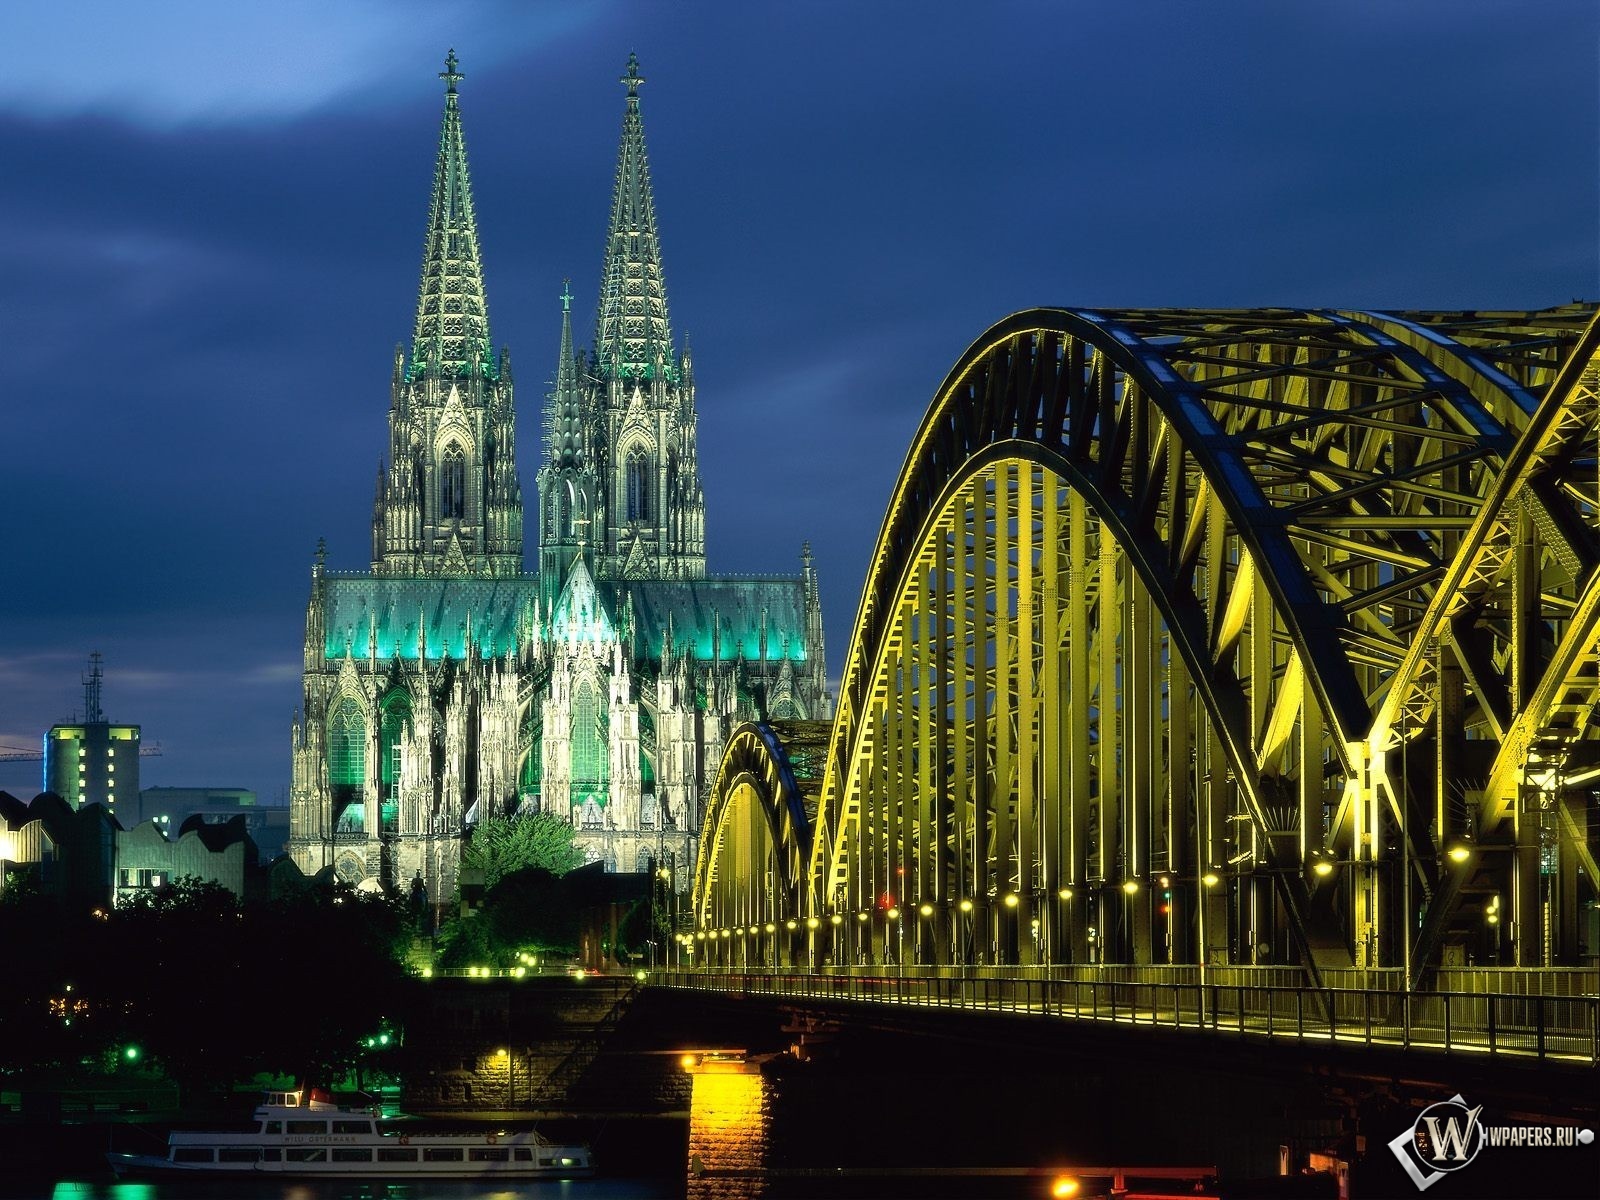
(772, 1128)
(249, 1189)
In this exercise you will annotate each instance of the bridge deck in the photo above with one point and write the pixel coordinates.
(1552, 1029)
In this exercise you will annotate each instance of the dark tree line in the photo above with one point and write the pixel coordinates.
(208, 989)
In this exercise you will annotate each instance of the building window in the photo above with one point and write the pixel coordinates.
(591, 759)
(453, 483)
(347, 745)
(638, 487)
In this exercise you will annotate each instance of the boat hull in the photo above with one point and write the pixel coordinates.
(149, 1166)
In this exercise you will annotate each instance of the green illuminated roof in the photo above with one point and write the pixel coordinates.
(359, 608)
(735, 607)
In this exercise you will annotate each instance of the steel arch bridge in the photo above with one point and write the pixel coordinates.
(1218, 637)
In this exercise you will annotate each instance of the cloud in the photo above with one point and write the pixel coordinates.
(197, 61)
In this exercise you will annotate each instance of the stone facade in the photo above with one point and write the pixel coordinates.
(446, 684)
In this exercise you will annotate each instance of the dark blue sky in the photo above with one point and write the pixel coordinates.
(211, 229)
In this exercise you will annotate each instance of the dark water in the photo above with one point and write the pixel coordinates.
(567, 1189)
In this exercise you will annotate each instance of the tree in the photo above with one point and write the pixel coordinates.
(502, 845)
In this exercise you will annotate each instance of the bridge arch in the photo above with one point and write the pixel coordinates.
(1150, 661)
(754, 841)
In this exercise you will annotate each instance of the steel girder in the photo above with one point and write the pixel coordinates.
(1158, 589)
(1324, 467)
(753, 839)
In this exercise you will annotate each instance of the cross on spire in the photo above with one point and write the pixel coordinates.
(632, 79)
(450, 75)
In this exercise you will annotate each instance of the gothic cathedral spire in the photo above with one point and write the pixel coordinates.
(633, 333)
(449, 501)
(648, 506)
(452, 328)
(568, 484)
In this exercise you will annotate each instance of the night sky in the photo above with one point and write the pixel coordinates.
(211, 221)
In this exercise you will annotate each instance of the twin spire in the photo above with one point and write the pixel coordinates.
(451, 336)
(632, 332)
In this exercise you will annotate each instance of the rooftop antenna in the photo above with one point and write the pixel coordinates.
(91, 692)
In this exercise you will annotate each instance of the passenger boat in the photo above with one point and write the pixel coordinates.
(305, 1135)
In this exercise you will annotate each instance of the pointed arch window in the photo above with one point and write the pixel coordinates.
(453, 483)
(392, 731)
(591, 758)
(638, 473)
(347, 763)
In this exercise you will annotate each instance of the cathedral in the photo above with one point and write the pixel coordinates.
(447, 683)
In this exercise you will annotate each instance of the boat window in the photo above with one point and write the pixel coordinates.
(270, 1154)
(272, 1127)
(522, 1155)
(237, 1154)
(192, 1154)
(306, 1126)
(352, 1126)
(489, 1154)
(351, 1154)
(569, 1162)
(306, 1154)
(547, 1162)
(441, 1154)
(396, 1154)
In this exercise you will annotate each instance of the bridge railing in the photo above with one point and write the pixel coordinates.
(1545, 1027)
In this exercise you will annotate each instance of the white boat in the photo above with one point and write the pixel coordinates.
(305, 1136)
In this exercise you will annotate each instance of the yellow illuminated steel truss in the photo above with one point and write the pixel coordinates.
(1208, 636)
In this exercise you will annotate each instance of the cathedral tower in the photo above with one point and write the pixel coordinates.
(569, 487)
(651, 523)
(449, 500)
(445, 686)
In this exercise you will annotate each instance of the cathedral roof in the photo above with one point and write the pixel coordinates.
(723, 616)
(452, 327)
(632, 329)
(361, 608)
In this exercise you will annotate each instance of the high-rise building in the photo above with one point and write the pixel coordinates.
(445, 684)
(93, 761)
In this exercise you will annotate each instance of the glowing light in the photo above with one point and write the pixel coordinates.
(131, 1053)
(1012, 899)
(1459, 852)
(893, 914)
(770, 927)
(926, 910)
(836, 919)
(812, 922)
(1131, 886)
(1210, 879)
(1065, 893)
(966, 905)
(689, 1062)
(861, 916)
(1064, 1187)
(502, 1052)
(640, 976)
(791, 924)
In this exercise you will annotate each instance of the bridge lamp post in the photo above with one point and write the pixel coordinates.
(1007, 935)
(1061, 928)
(963, 930)
(862, 931)
(1209, 880)
(1127, 937)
